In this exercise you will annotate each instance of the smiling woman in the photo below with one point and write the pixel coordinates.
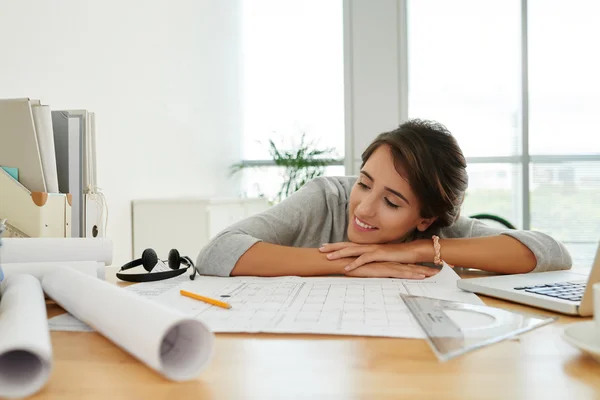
(401, 212)
(411, 178)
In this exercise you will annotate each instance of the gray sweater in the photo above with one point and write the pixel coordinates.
(318, 213)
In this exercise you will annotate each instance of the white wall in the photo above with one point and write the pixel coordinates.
(375, 72)
(162, 77)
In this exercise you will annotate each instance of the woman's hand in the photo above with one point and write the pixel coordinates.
(393, 270)
(369, 253)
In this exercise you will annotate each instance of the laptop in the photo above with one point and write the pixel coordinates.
(565, 292)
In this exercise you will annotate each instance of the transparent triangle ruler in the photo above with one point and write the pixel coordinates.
(454, 328)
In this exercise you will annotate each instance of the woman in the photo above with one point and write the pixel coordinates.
(400, 212)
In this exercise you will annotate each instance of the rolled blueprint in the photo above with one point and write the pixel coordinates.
(166, 340)
(25, 348)
(38, 269)
(21, 250)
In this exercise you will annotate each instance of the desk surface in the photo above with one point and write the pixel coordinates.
(536, 365)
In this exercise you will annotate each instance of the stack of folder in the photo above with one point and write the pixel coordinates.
(48, 171)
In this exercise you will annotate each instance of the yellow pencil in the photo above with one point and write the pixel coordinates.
(205, 299)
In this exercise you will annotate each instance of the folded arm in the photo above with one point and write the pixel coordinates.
(267, 259)
(474, 244)
(284, 239)
(499, 253)
(469, 244)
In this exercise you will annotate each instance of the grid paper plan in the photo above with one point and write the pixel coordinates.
(342, 306)
(319, 305)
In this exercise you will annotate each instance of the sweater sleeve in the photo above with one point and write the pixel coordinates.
(284, 223)
(550, 254)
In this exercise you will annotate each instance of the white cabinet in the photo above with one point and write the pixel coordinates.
(186, 224)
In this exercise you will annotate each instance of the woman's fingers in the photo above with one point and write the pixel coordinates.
(426, 270)
(393, 270)
(421, 269)
(353, 251)
(329, 247)
(362, 260)
(367, 272)
(408, 275)
(368, 255)
(413, 272)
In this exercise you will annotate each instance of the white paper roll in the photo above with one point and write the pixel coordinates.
(25, 348)
(38, 269)
(21, 250)
(166, 340)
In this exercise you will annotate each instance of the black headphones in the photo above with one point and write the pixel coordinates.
(150, 259)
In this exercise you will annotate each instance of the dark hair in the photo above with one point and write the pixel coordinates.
(428, 156)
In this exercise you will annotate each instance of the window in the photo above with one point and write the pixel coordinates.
(464, 71)
(526, 124)
(564, 77)
(564, 99)
(494, 188)
(293, 83)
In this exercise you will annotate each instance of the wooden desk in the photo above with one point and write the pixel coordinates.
(536, 365)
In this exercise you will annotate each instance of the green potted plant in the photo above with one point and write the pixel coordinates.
(301, 163)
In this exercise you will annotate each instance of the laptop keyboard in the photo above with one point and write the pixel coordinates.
(572, 291)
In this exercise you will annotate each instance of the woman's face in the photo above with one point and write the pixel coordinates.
(383, 207)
